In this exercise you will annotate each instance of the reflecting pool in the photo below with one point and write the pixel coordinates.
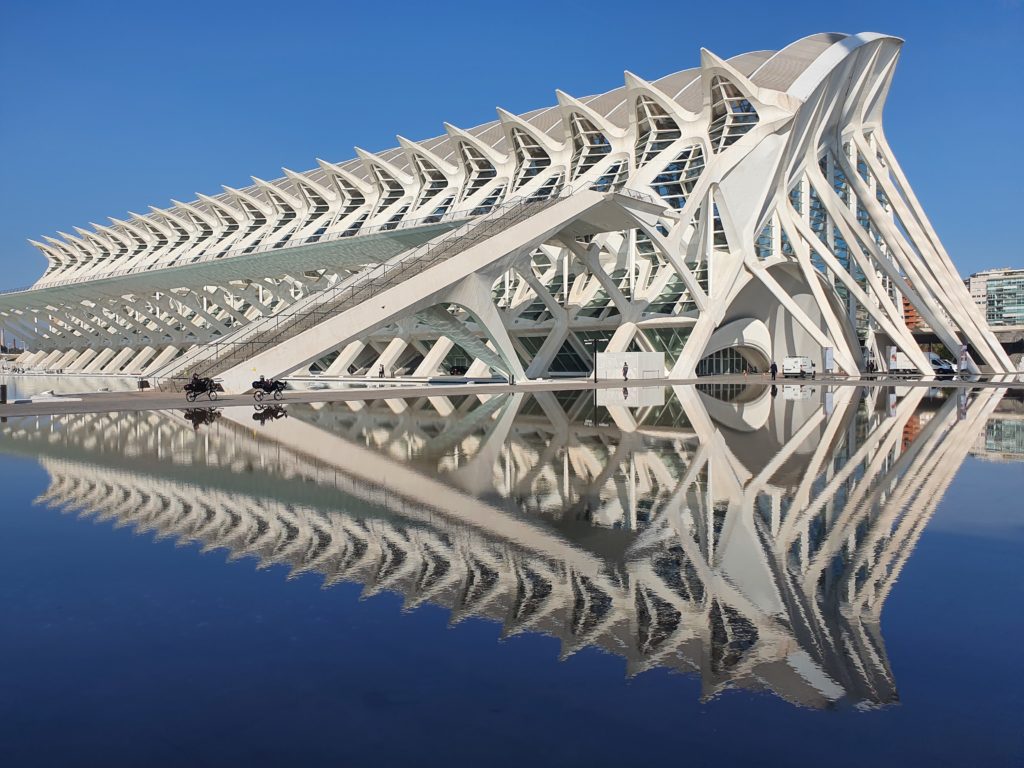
(713, 575)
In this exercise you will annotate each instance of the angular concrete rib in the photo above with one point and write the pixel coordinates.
(342, 315)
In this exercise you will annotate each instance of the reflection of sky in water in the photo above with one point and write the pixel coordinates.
(747, 540)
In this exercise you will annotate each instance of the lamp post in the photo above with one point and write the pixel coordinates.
(593, 342)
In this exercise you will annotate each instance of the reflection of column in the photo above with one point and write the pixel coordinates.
(476, 476)
(706, 584)
(915, 499)
(875, 449)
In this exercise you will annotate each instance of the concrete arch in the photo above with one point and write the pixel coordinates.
(745, 335)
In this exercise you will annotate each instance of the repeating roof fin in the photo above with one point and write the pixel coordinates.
(343, 178)
(245, 197)
(636, 86)
(412, 147)
(512, 122)
(310, 188)
(375, 163)
(456, 133)
(570, 104)
(280, 199)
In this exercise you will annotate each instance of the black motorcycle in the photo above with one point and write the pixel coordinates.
(201, 416)
(265, 413)
(201, 386)
(268, 387)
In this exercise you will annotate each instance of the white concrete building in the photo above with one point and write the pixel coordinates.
(725, 215)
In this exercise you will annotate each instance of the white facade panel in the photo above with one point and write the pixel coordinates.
(626, 366)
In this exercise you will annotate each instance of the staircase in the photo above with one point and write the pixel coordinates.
(249, 340)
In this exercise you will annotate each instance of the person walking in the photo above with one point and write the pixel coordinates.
(380, 371)
(625, 371)
(774, 369)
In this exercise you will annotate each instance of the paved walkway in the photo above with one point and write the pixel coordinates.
(147, 401)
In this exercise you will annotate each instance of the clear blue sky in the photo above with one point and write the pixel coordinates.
(107, 107)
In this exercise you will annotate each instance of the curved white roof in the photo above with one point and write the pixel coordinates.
(776, 70)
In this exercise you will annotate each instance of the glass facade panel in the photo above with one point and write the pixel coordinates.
(732, 115)
(1005, 299)
(675, 183)
(763, 244)
(671, 341)
(725, 361)
(655, 130)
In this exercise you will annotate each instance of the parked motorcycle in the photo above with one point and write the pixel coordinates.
(200, 385)
(267, 388)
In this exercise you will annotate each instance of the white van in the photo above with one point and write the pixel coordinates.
(797, 392)
(797, 366)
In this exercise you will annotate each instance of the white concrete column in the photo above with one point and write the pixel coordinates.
(434, 357)
(118, 360)
(45, 363)
(33, 358)
(478, 368)
(546, 354)
(100, 360)
(345, 358)
(81, 361)
(164, 357)
(135, 366)
(63, 361)
(388, 358)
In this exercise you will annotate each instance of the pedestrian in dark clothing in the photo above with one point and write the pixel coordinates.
(774, 369)
(380, 371)
(625, 371)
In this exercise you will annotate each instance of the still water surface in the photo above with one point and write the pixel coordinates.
(710, 577)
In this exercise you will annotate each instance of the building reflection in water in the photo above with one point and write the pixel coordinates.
(726, 532)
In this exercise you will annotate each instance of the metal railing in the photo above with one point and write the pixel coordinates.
(644, 196)
(306, 313)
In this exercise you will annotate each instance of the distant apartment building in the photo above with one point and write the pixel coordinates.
(1000, 294)
(1001, 440)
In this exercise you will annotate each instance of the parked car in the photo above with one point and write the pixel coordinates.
(944, 369)
(797, 367)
